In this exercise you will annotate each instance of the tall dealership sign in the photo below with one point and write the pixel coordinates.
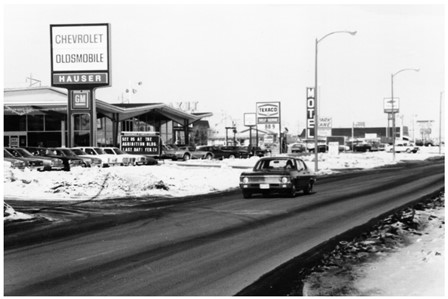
(80, 62)
(268, 118)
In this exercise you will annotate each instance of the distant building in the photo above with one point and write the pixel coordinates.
(365, 133)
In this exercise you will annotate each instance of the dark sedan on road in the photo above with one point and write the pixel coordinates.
(284, 174)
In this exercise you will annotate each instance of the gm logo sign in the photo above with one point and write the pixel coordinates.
(80, 99)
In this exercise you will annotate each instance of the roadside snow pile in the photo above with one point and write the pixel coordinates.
(10, 214)
(102, 183)
(379, 262)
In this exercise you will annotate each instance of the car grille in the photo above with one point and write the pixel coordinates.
(58, 163)
(36, 163)
(75, 162)
(272, 179)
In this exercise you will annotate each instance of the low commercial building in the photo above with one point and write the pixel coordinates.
(37, 116)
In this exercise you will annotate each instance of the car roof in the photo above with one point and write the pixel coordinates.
(279, 158)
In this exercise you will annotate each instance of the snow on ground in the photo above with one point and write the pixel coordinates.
(169, 179)
(417, 269)
(403, 256)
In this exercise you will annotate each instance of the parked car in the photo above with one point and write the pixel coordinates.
(197, 153)
(68, 159)
(253, 151)
(123, 158)
(285, 175)
(96, 152)
(66, 153)
(13, 162)
(171, 151)
(31, 161)
(403, 147)
(226, 152)
(83, 155)
(296, 148)
(362, 147)
(49, 162)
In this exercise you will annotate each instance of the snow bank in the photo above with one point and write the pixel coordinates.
(169, 179)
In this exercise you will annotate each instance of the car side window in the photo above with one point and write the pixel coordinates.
(300, 165)
(290, 164)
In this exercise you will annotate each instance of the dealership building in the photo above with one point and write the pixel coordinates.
(37, 116)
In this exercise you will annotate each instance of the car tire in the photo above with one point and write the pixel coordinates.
(232, 156)
(208, 157)
(186, 157)
(247, 194)
(408, 150)
(307, 190)
(292, 191)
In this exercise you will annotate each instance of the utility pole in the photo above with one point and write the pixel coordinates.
(440, 124)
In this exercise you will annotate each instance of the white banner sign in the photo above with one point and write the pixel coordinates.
(80, 47)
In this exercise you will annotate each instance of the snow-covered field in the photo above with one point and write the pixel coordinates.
(170, 179)
(417, 268)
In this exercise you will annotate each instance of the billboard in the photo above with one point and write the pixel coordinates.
(80, 55)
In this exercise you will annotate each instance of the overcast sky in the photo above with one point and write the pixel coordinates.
(228, 57)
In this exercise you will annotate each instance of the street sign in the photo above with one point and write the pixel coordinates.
(391, 105)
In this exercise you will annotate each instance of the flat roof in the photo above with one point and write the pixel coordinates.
(27, 100)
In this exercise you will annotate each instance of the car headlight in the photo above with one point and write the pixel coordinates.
(245, 180)
(285, 180)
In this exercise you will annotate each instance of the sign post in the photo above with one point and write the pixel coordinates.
(250, 120)
(80, 62)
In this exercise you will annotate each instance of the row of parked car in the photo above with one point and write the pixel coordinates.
(41, 158)
(400, 147)
(61, 158)
(185, 152)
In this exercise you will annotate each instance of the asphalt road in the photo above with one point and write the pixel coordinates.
(214, 246)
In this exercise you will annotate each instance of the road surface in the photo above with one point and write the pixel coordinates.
(211, 247)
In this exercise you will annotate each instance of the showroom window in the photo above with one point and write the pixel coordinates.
(15, 123)
(36, 122)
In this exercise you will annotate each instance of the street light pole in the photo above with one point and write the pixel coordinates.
(316, 118)
(393, 103)
(440, 124)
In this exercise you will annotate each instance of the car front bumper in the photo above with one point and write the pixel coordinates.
(265, 187)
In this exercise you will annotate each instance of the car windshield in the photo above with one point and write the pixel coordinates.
(78, 151)
(67, 152)
(271, 164)
(15, 152)
(7, 154)
(99, 151)
(119, 151)
(24, 152)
